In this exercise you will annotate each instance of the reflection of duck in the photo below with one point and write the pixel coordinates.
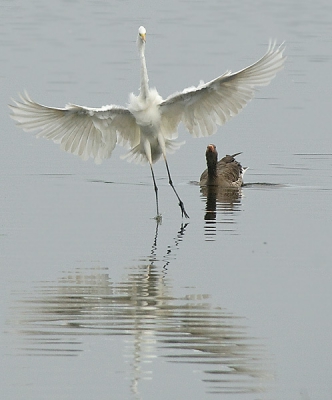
(227, 197)
(223, 201)
(225, 173)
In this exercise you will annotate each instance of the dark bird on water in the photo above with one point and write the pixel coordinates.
(226, 173)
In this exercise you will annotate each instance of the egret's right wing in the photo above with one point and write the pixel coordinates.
(87, 132)
(204, 107)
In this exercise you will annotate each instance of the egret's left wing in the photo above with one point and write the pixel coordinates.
(204, 107)
(84, 131)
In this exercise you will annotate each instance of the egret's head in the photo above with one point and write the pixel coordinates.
(142, 33)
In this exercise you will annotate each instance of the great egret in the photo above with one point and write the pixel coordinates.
(149, 124)
(225, 173)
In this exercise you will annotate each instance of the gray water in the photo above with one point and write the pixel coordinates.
(97, 302)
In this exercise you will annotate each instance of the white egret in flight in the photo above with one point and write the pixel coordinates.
(148, 125)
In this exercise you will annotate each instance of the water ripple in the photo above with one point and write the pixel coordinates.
(56, 316)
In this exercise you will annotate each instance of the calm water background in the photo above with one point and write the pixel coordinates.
(98, 303)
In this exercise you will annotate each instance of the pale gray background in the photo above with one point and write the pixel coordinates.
(238, 308)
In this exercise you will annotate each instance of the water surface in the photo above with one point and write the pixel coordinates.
(99, 302)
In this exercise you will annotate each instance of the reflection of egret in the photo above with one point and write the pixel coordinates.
(153, 318)
(149, 124)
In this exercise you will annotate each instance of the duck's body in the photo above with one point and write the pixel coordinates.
(225, 173)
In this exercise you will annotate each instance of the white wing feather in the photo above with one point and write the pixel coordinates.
(83, 131)
(204, 107)
(94, 132)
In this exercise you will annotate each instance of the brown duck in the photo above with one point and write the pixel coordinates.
(225, 173)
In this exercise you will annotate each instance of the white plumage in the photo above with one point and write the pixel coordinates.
(149, 124)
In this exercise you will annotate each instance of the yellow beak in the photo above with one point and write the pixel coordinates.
(143, 36)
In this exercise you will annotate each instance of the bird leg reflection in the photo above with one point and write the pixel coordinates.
(183, 211)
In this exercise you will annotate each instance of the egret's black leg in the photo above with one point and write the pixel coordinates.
(158, 216)
(183, 211)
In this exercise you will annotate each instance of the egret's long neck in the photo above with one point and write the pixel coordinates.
(144, 73)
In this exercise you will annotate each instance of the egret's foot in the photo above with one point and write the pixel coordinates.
(183, 211)
(158, 218)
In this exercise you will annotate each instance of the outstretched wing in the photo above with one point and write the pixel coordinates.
(83, 131)
(204, 107)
